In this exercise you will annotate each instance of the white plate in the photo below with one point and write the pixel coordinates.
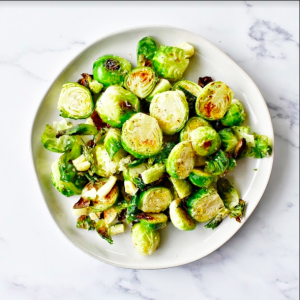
(177, 247)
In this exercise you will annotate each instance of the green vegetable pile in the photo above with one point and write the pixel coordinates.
(153, 148)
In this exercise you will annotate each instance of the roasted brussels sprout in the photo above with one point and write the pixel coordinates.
(80, 129)
(154, 173)
(134, 174)
(200, 161)
(201, 179)
(243, 132)
(181, 160)
(141, 81)
(205, 140)
(116, 105)
(153, 221)
(262, 148)
(155, 199)
(145, 51)
(111, 70)
(171, 111)
(142, 136)
(217, 220)
(217, 164)
(170, 62)
(192, 124)
(229, 140)
(182, 187)
(227, 193)
(87, 81)
(162, 85)
(112, 141)
(232, 164)
(238, 211)
(103, 231)
(180, 217)
(204, 204)
(191, 91)
(145, 240)
(75, 101)
(214, 101)
(235, 115)
(61, 144)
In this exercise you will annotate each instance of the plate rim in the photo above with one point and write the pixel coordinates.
(70, 61)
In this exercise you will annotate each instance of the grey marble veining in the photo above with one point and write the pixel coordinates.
(259, 262)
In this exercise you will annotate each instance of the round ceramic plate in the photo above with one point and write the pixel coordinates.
(177, 247)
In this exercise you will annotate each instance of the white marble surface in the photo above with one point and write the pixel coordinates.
(37, 262)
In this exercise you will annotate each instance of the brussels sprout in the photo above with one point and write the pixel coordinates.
(145, 240)
(132, 210)
(238, 211)
(103, 231)
(80, 129)
(201, 179)
(191, 91)
(153, 221)
(182, 187)
(85, 222)
(204, 204)
(154, 173)
(262, 148)
(214, 101)
(192, 124)
(116, 105)
(217, 220)
(75, 101)
(232, 164)
(112, 141)
(141, 81)
(111, 70)
(235, 115)
(103, 165)
(133, 171)
(170, 62)
(171, 111)
(142, 136)
(227, 193)
(61, 144)
(66, 188)
(145, 51)
(188, 49)
(155, 200)
(162, 85)
(180, 217)
(205, 140)
(87, 81)
(243, 132)
(217, 164)
(200, 161)
(229, 140)
(181, 160)
(163, 155)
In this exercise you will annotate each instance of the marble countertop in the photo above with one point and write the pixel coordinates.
(37, 262)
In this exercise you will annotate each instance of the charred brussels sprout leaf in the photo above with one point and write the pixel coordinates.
(203, 81)
(111, 70)
(217, 220)
(87, 81)
(228, 194)
(238, 211)
(85, 222)
(54, 144)
(75, 101)
(116, 105)
(132, 210)
(235, 115)
(229, 140)
(217, 164)
(112, 141)
(141, 81)
(145, 51)
(170, 62)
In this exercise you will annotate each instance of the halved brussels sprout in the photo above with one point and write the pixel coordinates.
(191, 91)
(235, 115)
(182, 187)
(200, 161)
(61, 144)
(111, 70)
(153, 221)
(204, 204)
(170, 62)
(181, 160)
(162, 85)
(103, 164)
(229, 140)
(103, 231)
(142, 136)
(154, 173)
(112, 141)
(201, 179)
(228, 194)
(171, 111)
(205, 140)
(262, 148)
(145, 51)
(116, 105)
(192, 124)
(145, 240)
(155, 200)
(75, 101)
(141, 81)
(217, 220)
(214, 101)
(180, 217)
(217, 164)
